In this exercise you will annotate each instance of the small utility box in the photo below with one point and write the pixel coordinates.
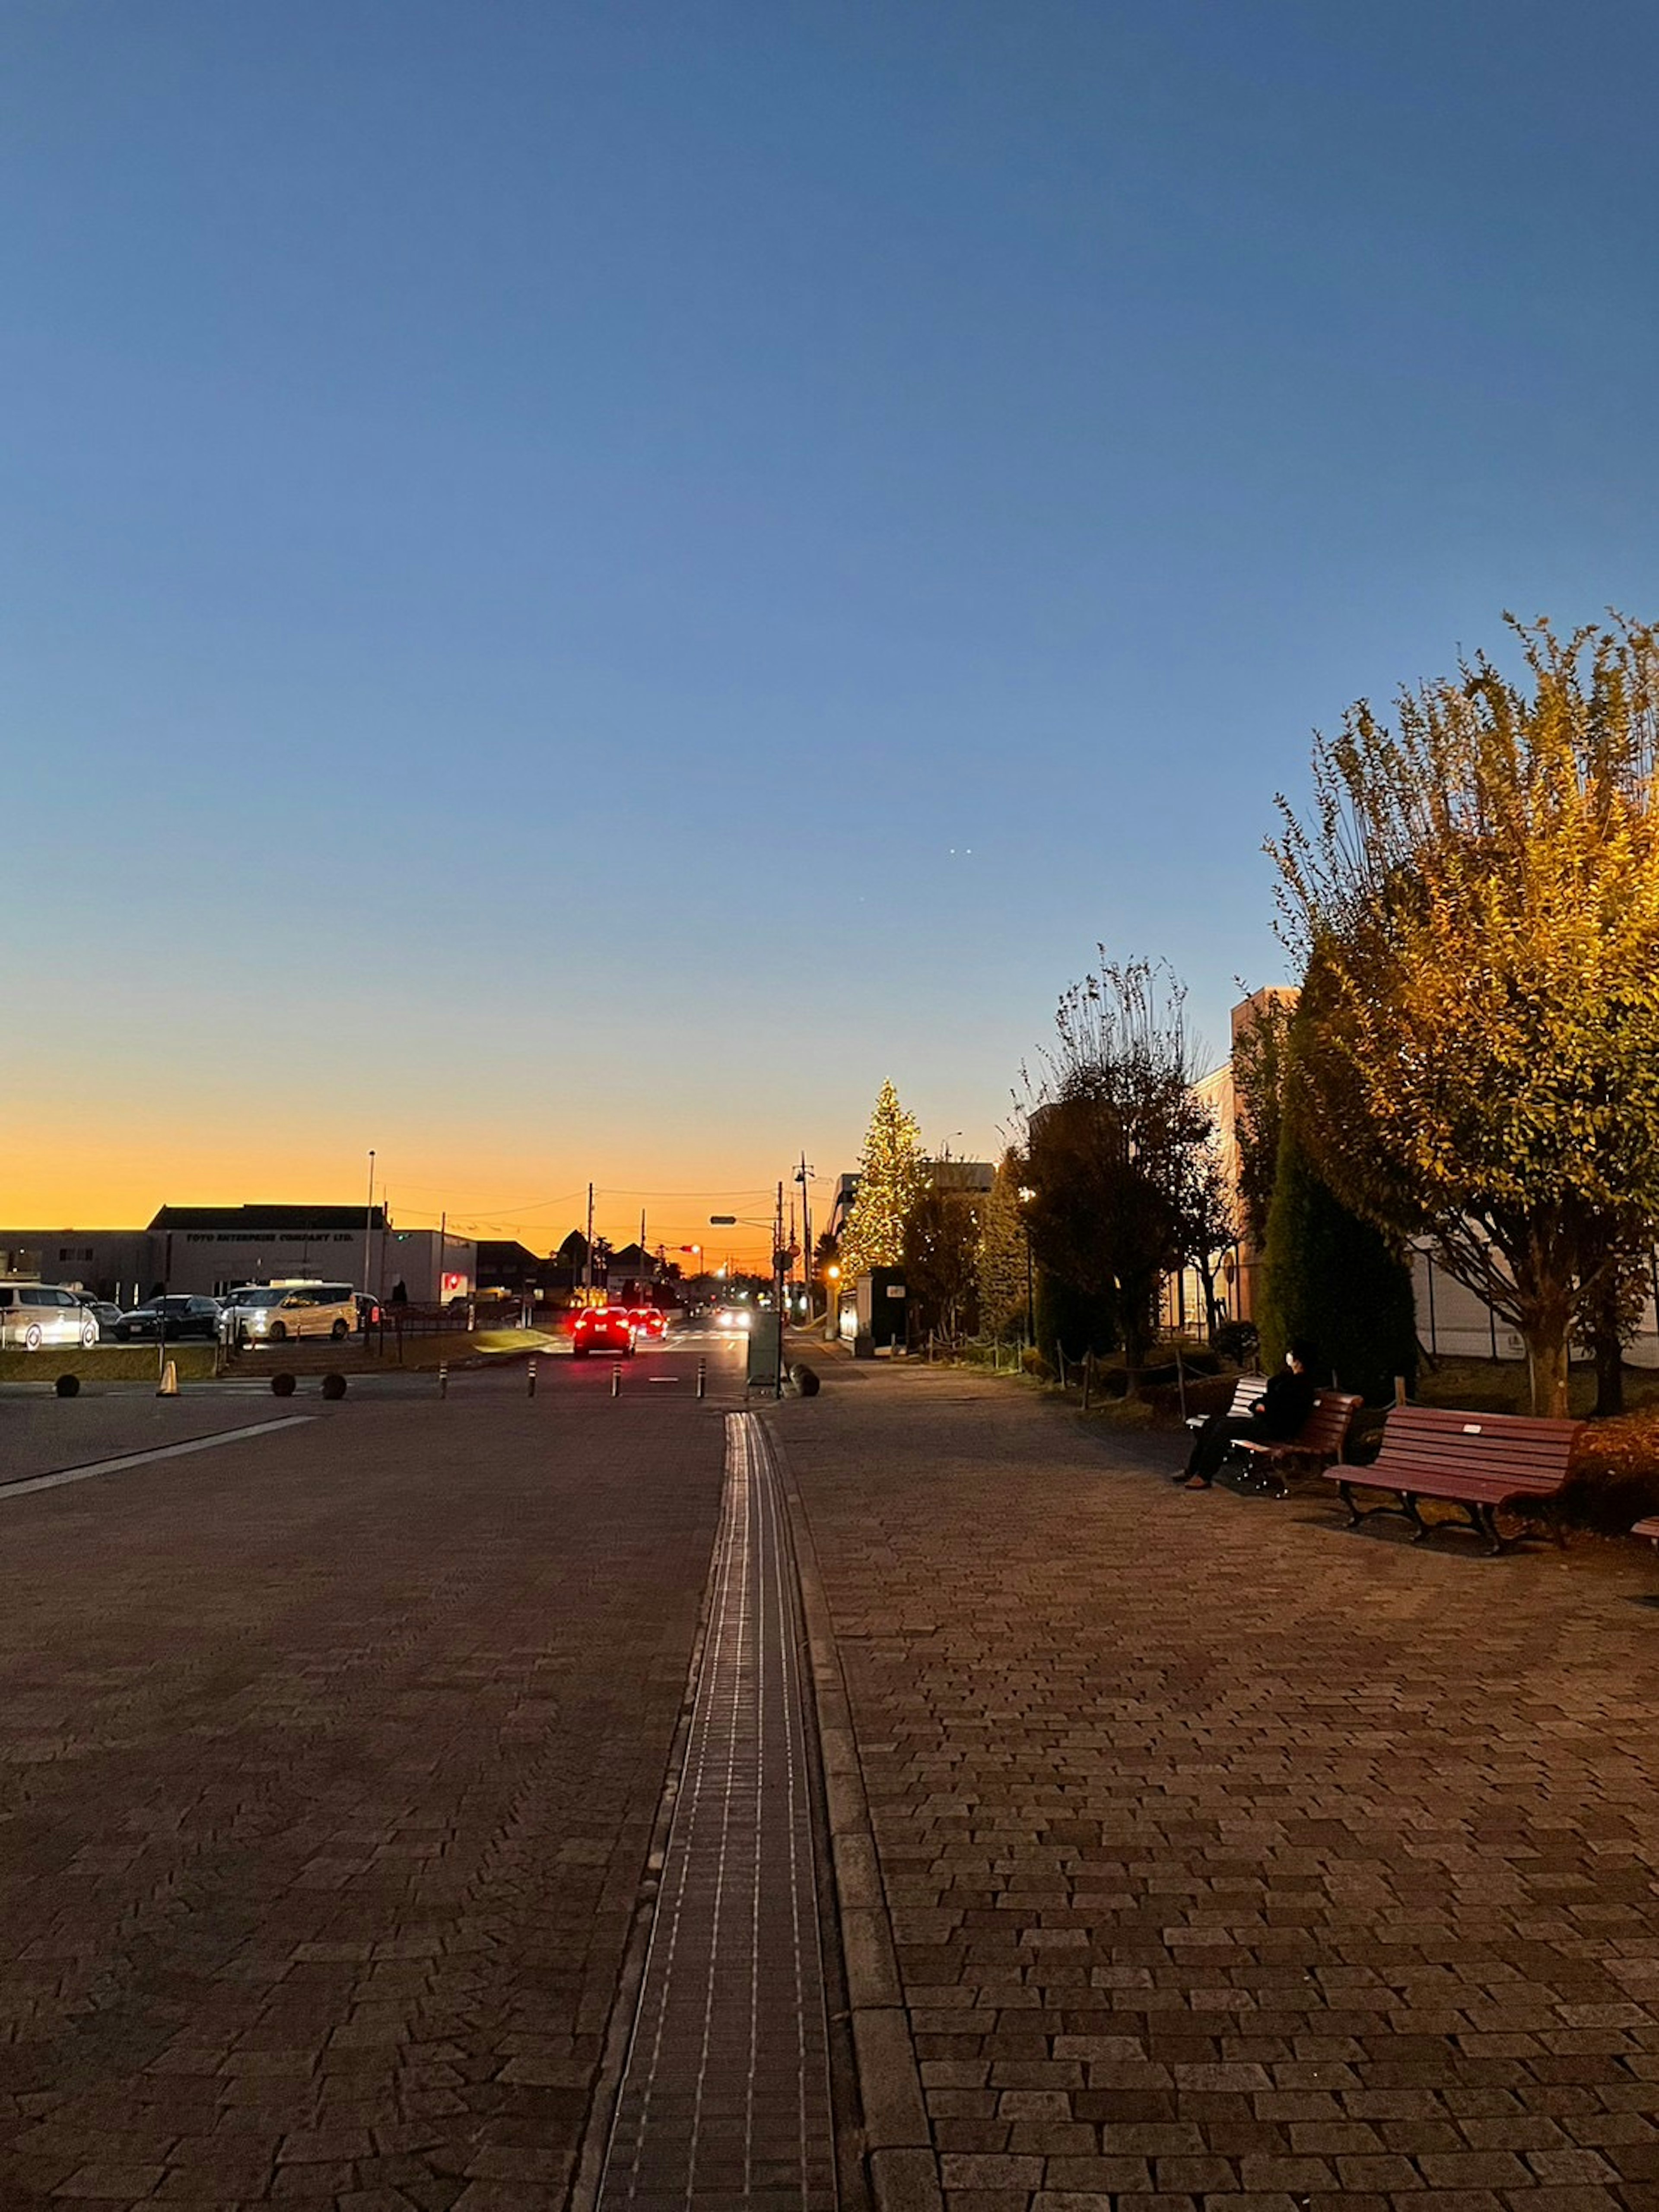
(765, 1346)
(881, 1308)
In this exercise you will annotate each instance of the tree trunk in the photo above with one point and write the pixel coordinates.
(1608, 1338)
(1609, 1377)
(1138, 1321)
(1546, 1360)
(1211, 1307)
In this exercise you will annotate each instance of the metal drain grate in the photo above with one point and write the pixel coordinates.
(724, 2099)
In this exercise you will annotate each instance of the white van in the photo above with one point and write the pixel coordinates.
(36, 1315)
(270, 1313)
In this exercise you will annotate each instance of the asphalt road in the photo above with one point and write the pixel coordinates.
(328, 1760)
(41, 1433)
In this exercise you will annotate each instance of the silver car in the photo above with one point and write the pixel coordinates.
(270, 1313)
(36, 1315)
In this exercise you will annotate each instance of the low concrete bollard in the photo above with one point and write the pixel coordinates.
(334, 1386)
(282, 1384)
(68, 1386)
(805, 1379)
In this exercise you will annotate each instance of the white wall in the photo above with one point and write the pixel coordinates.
(1452, 1322)
(411, 1255)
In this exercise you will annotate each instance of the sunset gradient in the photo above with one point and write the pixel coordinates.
(583, 585)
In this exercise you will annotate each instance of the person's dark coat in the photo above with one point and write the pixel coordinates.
(1282, 1410)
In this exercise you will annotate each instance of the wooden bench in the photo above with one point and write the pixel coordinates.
(1321, 1438)
(1246, 1391)
(1648, 1528)
(1484, 1462)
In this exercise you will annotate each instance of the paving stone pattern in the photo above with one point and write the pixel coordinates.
(724, 2104)
(1232, 1858)
(328, 1768)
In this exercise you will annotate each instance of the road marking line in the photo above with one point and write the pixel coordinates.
(142, 1459)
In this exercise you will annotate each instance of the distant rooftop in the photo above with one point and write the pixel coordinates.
(255, 1221)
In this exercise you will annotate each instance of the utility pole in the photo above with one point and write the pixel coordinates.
(368, 1223)
(443, 1250)
(588, 1264)
(803, 1176)
(780, 1262)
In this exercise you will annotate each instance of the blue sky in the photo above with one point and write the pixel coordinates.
(535, 539)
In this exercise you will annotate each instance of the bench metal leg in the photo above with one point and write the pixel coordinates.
(1495, 1544)
(1404, 1508)
(1479, 1520)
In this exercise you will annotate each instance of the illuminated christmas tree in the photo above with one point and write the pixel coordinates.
(891, 1172)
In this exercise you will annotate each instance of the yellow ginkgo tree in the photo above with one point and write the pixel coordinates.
(1474, 899)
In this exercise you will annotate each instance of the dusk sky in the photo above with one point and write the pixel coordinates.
(580, 585)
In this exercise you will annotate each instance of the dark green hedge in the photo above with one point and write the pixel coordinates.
(1332, 1277)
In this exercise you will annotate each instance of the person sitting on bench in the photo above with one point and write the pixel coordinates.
(1277, 1416)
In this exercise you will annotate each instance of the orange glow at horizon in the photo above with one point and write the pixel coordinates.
(120, 1184)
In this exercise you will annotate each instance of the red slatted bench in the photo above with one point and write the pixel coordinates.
(1483, 1462)
(1321, 1439)
(1246, 1391)
(1648, 1528)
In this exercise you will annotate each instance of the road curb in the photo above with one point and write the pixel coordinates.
(899, 2156)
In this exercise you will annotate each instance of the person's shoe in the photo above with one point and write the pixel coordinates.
(1197, 1482)
(1181, 1480)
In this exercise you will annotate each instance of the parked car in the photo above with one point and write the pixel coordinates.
(603, 1329)
(34, 1314)
(273, 1312)
(170, 1318)
(104, 1311)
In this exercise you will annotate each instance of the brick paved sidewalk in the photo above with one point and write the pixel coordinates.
(1234, 1859)
(328, 1765)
